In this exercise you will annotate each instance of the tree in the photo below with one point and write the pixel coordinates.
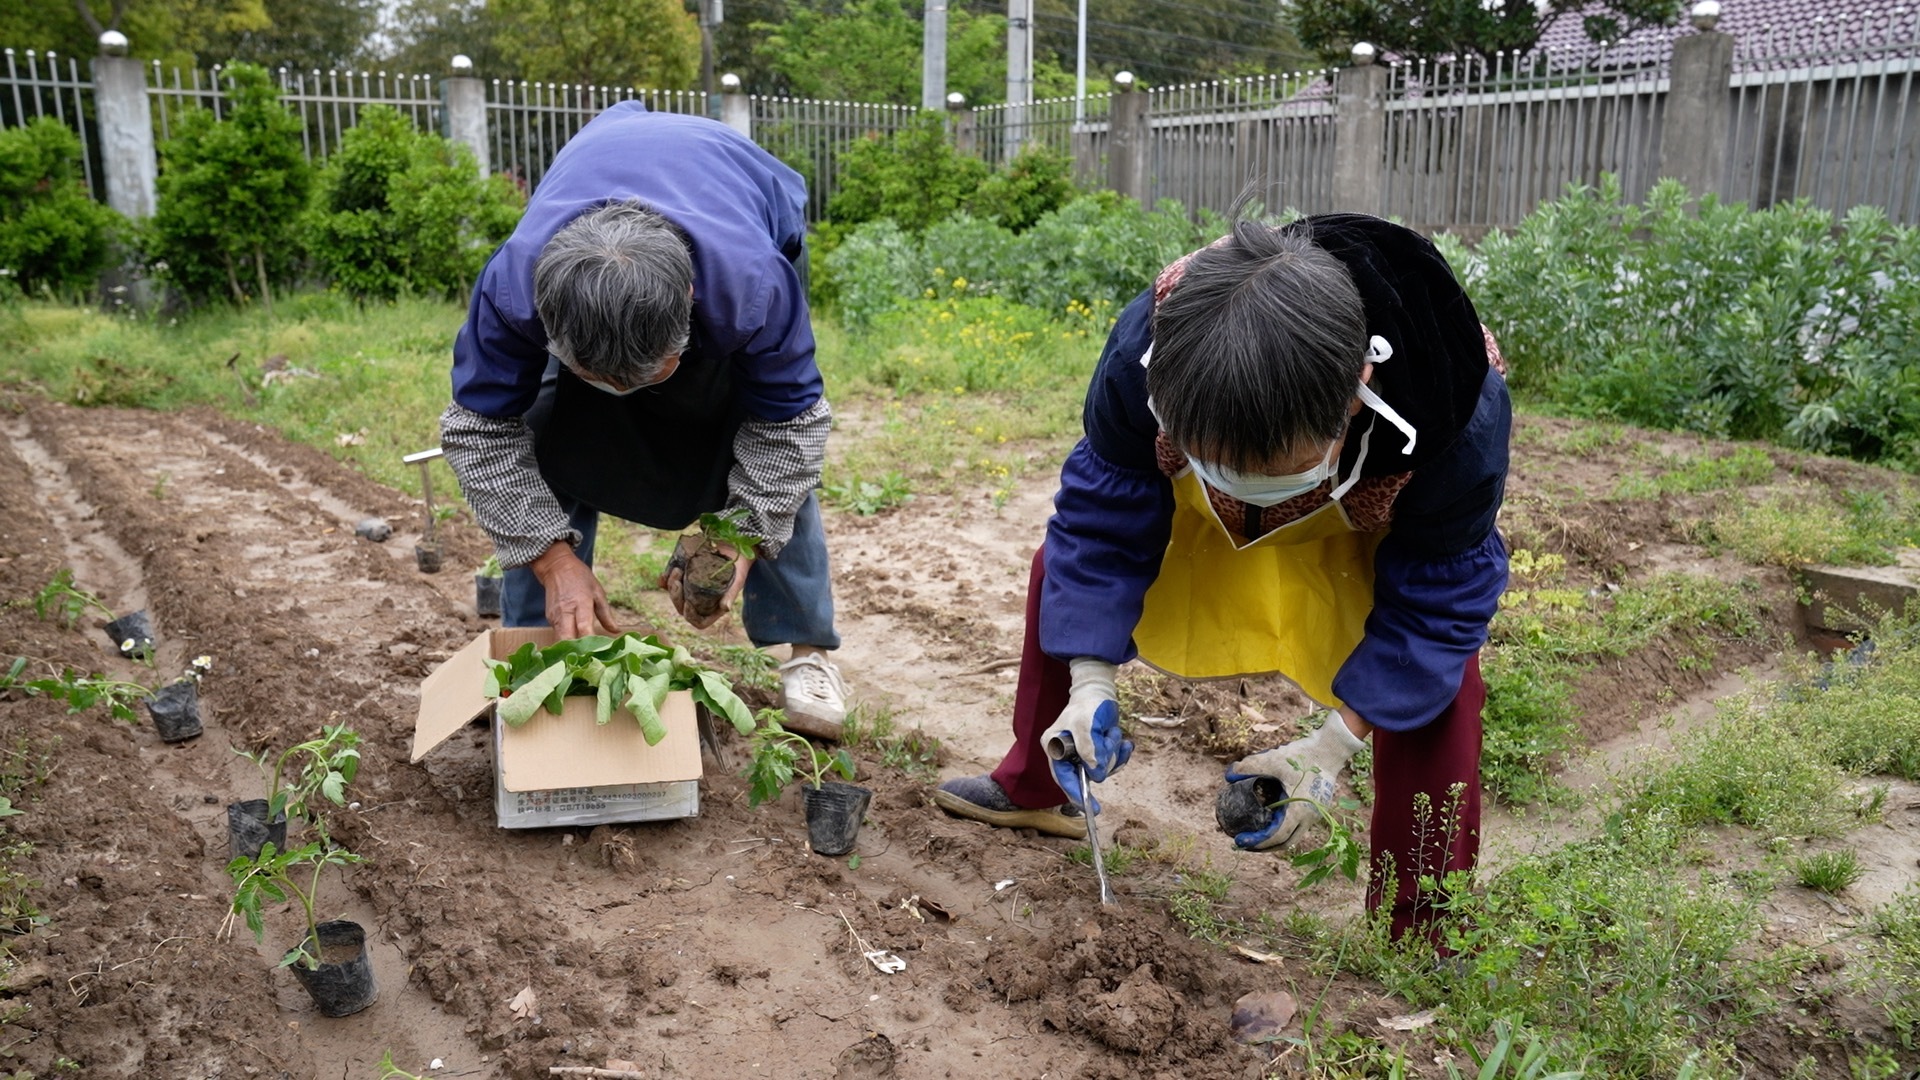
(1432, 29)
(187, 33)
(650, 43)
(427, 34)
(230, 192)
(870, 50)
(303, 35)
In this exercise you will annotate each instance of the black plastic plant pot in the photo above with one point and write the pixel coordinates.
(248, 829)
(1247, 805)
(486, 594)
(834, 813)
(343, 983)
(175, 709)
(132, 634)
(427, 557)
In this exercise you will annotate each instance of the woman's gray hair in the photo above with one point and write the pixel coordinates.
(1258, 349)
(614, 290)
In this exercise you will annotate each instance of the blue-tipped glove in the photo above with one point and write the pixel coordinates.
(1087, 732)
(1307, 768)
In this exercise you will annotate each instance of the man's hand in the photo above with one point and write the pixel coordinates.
(674, 578)
(574, 596)
(1307, 768)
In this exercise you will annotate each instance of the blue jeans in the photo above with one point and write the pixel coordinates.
(788, 599)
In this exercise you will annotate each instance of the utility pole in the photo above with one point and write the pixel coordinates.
(711, 13)
(1080, 69)
(1019, 72)
(933, 66)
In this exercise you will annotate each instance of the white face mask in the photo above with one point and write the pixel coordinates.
(606, 388)
(1257, 490)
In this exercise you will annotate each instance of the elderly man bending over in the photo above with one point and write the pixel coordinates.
(641, 346)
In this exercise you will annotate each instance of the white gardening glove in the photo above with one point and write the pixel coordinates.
(1307, 768)
(1088, 730)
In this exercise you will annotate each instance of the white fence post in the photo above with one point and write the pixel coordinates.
(736, 108)
(1699, 112)
(126, 127)
(467, 111)
(1360, 134)
(1128, 133)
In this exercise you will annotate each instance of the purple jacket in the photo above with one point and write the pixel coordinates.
(742, 209)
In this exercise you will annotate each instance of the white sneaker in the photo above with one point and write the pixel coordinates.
(814, 698)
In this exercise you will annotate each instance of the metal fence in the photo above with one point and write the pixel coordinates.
(1821, 110)
(809, 135)
(1473, 145)
(48, 84)
(327, 102)
(1269, 137)
(1838, 126)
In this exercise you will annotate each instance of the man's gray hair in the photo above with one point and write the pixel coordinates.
(614, 289)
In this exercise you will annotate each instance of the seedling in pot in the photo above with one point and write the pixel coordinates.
(274, 877)
(707, 559)
(630, 671)
(834, 810)
(488, 581)
(331, 960)
(777, 756)
(303, 774)
(175, 707)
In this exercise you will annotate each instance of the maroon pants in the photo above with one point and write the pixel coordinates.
(1426, 807)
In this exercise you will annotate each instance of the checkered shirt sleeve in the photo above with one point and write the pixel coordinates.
(493, 459)
(775, 465)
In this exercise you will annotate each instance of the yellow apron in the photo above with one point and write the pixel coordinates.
(1294, 601)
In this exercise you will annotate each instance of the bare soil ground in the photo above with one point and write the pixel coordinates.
(715, 947)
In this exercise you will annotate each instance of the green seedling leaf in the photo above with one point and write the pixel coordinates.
(644, 704)
(603, 703)
(714, 692)
(853, 862)
(519, 708)
(842, 763)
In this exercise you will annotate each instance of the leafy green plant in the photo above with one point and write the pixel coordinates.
(913, 177)
(397, 210)
(868, 497)
(1830, 872)
(491, 568)
(79, 692)
(273, 878)
(230, 193)
(1340, 853)
(53, 235)
(1508, 1057)
(778, 754)
(390, 1071)
(1032, 184)
(630, 671)
(724, 527)
(66, 601)
(872, 729)
(302, 774)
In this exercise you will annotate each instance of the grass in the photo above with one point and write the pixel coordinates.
(1745, 466)
(1830, 872)
(1548, 632)
(870, 729)
(1812, 524)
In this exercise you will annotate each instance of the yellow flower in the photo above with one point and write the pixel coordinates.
(928, 293)
(959, 283)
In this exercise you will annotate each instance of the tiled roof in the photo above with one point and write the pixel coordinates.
(1764, 29)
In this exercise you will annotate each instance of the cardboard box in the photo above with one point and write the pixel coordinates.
(564, 770)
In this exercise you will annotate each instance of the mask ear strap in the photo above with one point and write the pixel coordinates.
(1374, 402)
(1366, 439)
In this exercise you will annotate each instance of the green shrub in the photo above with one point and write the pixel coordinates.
(965, 254)
(872, 270)
(914, 177)
(230, 192)
(1736, 323)
(53, 236)
(1100, 247)
(1034, 183)
(403, 211)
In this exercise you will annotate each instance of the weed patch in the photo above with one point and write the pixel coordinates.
(1810, 525)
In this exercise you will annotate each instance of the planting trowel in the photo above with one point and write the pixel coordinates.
(1093, 836)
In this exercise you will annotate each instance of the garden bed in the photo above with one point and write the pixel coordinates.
(714, 947)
